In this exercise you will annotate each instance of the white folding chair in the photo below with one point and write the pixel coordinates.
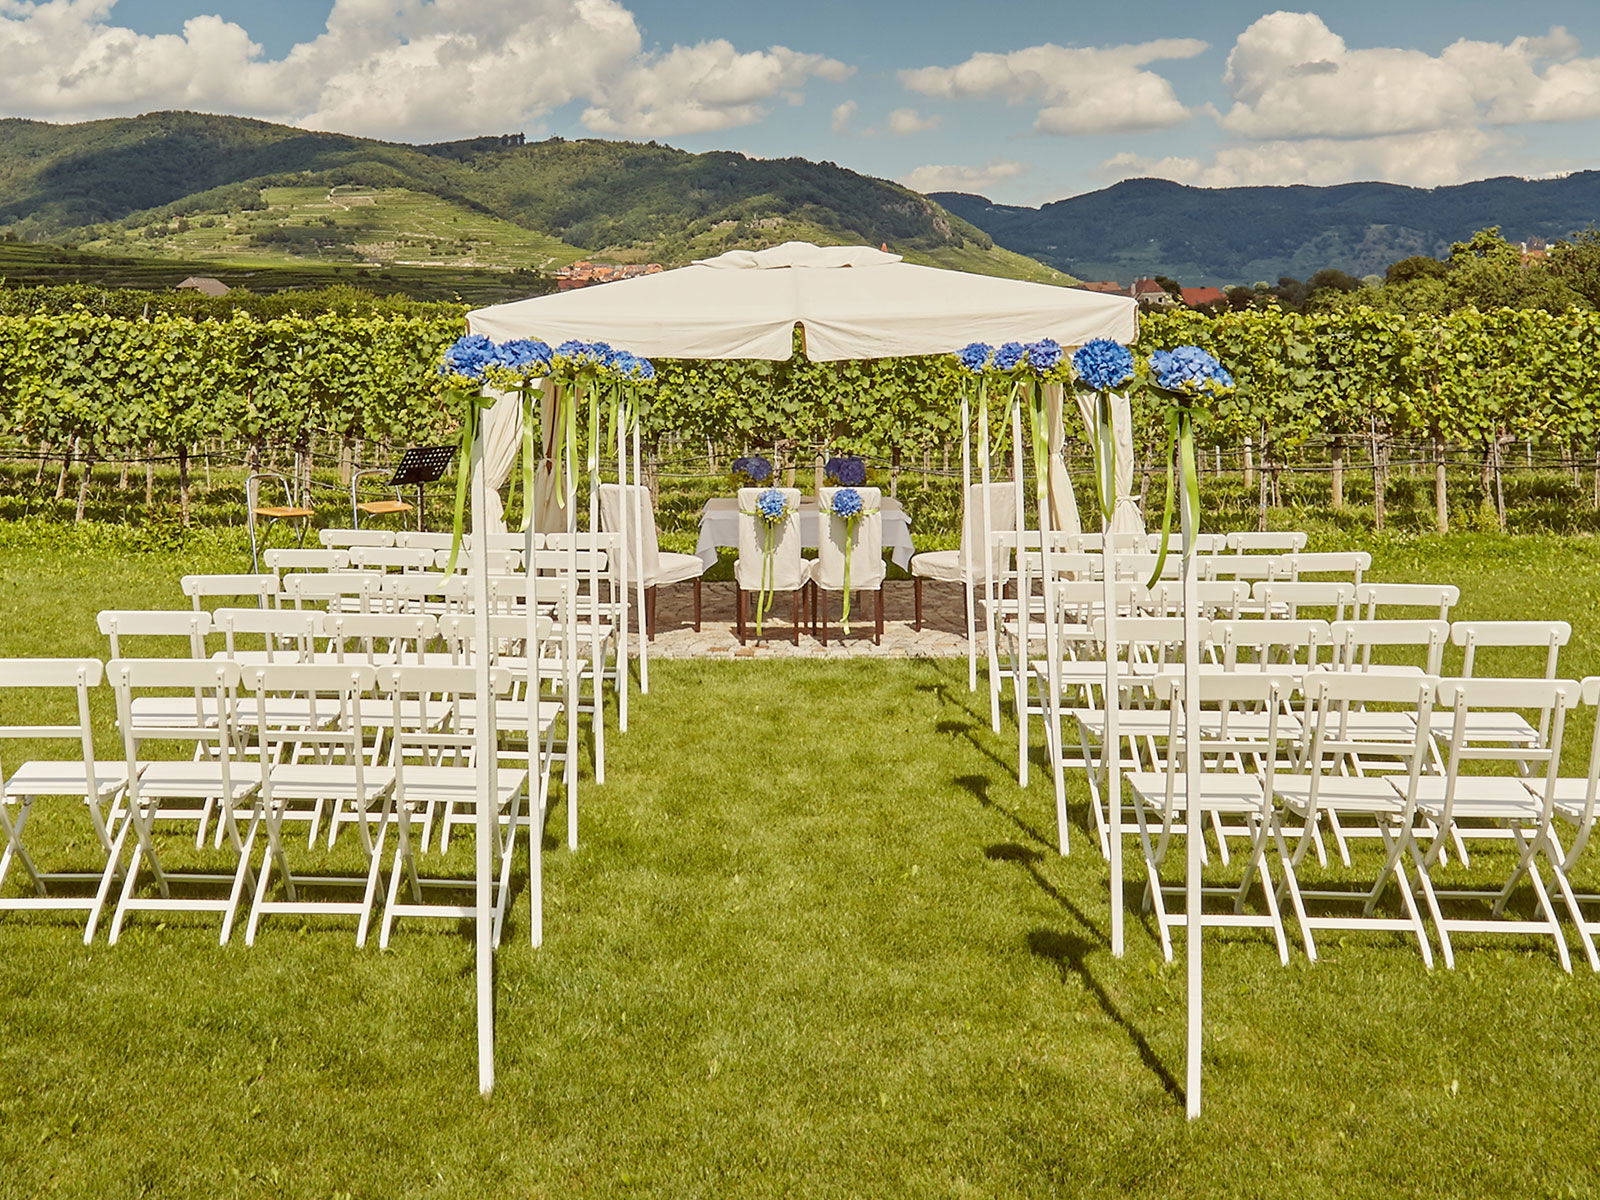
(1577, 803)
(1485, 727)
(336, 591)
(313, 760)
(387, 559)
(189, 626)
(1439, 597)
(217, 779)
(420, 540)
(1286, 597)
(1265, 542)
(1500, 808)
(281, 634)
(81, 777)
(1241, 745)
(1326, 789)
(1350, 565)
(501, 562)
(433, 767)
(432, 594)
(283, 562)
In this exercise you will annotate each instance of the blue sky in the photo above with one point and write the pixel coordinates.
(1023, 100)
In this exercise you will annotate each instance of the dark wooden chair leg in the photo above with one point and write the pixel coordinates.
(916, 602)
(878, 640)
(650, 613)
(697, 604)
(795, 608)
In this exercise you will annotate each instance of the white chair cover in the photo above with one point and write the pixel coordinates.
(789, 571)
(646, 559)
(947, 566)
(867, 569)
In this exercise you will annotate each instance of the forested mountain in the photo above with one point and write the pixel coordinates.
(198, 186)
(1147, 227)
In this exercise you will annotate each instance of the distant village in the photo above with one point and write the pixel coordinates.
(1153, 294)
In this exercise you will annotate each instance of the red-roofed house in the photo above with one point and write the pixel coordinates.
(1148, 291)
(1201, 297)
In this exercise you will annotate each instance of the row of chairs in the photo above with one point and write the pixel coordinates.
(379, 748)
(1401, 760)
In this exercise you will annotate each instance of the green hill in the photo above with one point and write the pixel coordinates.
(226, 189)
(1147, 227)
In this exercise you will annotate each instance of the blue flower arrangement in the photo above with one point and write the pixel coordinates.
(1009, 355)
(1044, 355)
(845, 471)
(772, 505)
(847, 503)
(466, 359)
(974, 357)
(752, 471)
(1103, 365)
(1189, 371)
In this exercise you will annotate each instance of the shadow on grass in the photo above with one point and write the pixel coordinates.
(1029, 860)
(978, 785)
(1068, 954)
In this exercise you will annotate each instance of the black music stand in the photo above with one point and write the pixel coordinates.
(419, 466)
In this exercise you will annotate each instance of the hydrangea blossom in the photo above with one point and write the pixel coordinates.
(1103, 365)
(575, 353)
(620, 362)
(1189, 369)
(847, 503)
(974, 357)
(847, 470)
(468, 357)
(1044, 355)
(523, 356)
(754, 468)
(1009, 355)
(771, 505)
(644, 369)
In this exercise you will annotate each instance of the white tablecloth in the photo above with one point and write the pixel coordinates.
(719, 526)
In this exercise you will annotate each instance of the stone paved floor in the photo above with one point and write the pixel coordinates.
(943, 631)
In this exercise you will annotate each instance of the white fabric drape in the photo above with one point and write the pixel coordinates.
(1064, 516)
(502, 435)
(1125, 517)
(550, 507)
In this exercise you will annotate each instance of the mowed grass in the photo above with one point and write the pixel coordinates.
(816, 942)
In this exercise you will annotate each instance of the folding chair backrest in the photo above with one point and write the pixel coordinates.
(419, 540)
(379, 638)
(31, 675)
(1247, 542)
(1331, 698)
(337, 539)
(335, 589)
(384, 558)
(1269, 644)
(1440, 597)
(279, 561)
(643, 549)
(1002, 506)
(1077, 600)
(501, 562)
(437, 726)
(1246, 718)
(864, 537)
(1220, 598)
(784, 573)
(1295, 594)
(424, 591)
(1141, 564)
(119, 623)
(314, 705)
(1351, 564)
(287, 634)
(1244, 566)
(1354, 642)
(555, 561)
(212, 683)
(1150, 639)
(1549, 698)
(1472, 636)
(232, 587)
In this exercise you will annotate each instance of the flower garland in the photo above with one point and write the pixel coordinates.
(772, 509)
(1183, 375)
(1102, 366)
(752, 470)
(845, 471)
(586, 370)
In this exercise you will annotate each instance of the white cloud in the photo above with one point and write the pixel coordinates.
(1082, 89)
(414, 69)
(904, 121)
(843, 115)
(695, 89)
(962, 179)
(1290, 76)
(1430, 159)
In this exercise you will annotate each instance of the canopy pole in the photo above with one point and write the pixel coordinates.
(1111, 741)
(1021, 660)
(484, 750)
(644, 653)
(620, 599)
(987, 559)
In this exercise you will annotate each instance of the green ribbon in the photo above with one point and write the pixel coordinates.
(1180, 447)
(769, 551)
(473, 406)
(1105, 460)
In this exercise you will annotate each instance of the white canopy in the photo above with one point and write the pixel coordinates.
(854, 302)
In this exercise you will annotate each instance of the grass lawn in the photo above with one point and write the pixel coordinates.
(816, 943)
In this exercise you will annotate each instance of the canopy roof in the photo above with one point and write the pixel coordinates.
(854, 301)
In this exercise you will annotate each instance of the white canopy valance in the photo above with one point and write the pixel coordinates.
(854, 302)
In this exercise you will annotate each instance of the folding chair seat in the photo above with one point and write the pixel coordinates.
(433, 767)
(97, 785)
(1324, 790)
(217, 780)
(1236, 782)
(316, 760)
(1513, 810)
